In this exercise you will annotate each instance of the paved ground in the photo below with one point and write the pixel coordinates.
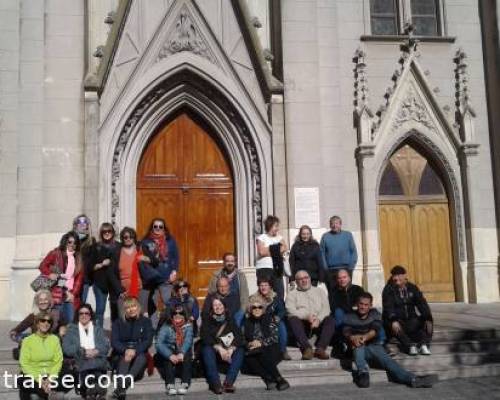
(466, 389)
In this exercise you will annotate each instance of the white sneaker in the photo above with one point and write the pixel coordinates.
(413, 350)
(424, 350)
(171, 390)
(183, 388)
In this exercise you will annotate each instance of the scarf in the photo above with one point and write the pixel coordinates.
(133, 290)
(220, 318)
(70, 270)
(161, 243)
(179, 332)
(86, 338)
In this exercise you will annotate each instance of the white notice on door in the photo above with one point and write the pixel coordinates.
(307, 207)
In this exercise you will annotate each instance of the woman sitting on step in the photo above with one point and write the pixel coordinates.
(263, 352)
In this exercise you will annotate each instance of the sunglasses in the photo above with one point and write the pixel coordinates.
(158, 226)
(84, 313)
(257, 307)
(49, 321)
(179, 313)
(126, 237)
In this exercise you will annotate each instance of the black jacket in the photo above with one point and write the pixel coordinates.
(264, 329)
(277, 257)
(210, 327)
(231, 303)
(307, 256)
(105, 278)
(345, 298)
(397, 308)
(132, 334)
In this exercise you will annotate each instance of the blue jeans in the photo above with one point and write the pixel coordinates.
(209, 355)
(339, 316)
(376, 353)
(85, 293)
(239, 317)
(282, 336)
(100, 305)
(66, 310)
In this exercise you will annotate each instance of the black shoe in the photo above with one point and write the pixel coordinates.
(271, 385)
(282, 384)
(216, 388)
(119, 394)
(362, 380)
(424, 381)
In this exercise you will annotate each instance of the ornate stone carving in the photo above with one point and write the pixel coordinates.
(413, 109)
(360, 80)
(201, 90)
(186, 37)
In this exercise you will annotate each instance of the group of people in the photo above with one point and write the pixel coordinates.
(234, 330)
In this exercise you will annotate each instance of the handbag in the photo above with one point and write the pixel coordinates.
(42, 282)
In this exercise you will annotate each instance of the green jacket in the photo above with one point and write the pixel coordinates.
(41, 356)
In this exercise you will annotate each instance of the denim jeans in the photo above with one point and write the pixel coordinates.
(66, 310)
(100, 305)
(239, 318)
(209, 355)
(282, 336)
(339, 315)
(85, 293)
(376, 353)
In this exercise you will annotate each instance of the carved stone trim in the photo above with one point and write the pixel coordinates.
(450, 174)
(413, 109)
(192, 83)
(186, 37)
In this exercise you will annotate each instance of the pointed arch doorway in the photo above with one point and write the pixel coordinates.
(414, 218)
(184, 177)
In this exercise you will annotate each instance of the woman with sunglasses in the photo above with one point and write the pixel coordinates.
(128, 261)
(40, 360)
(83, 229)
(183, 298)
(221, 340)
(64, 266)
(103, 274)
(160, 242)
(174, 351)
(88, 346)
(131, 337)
(263, 352)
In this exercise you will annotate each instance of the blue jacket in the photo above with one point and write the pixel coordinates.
(132, 334)
(171, 263)
(339, 250)
(166, 345)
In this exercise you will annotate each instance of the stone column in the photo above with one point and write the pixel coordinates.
(91, 194)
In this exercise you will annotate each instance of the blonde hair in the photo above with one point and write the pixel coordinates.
(130, 301)
(36, 299)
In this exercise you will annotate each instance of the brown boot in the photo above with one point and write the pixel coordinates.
(321, 354)
(307, 354)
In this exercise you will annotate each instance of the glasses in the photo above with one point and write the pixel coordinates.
(84, 313)
(257, 307)
(48, 321)
(158, 226)
(179, 313)
(107, 232)
(127, 237)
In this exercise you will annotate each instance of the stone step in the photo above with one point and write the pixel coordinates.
(153, 384)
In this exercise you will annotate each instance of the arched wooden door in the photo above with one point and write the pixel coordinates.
(415, 224)
(184, 178)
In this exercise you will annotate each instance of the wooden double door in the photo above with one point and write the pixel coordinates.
(415, 227)
(183, 177)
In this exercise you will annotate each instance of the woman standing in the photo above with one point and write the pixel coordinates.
(40, 359)
(83, 229)
(64, 265)
(131, 338)
(174, 350)
(103, 275)
(306, 255)
(182, 297)
(270, 249)
(263, 352)
(88, 345)
(221, 339)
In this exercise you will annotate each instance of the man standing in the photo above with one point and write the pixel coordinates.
(338, 250)
(237, 279)
(401, 300)
(361, 330)
(308, 310)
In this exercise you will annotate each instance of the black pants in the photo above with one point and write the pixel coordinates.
(302, 331)
(136, 368)
(30, 394)
(276, 281)
(414, 332)
(169, 371)
(265, 363)
(89, 382)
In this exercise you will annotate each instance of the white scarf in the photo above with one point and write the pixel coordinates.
(86, 338)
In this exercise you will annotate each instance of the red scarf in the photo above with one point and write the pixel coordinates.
(179, 333)
(161, 243)
(133, 290)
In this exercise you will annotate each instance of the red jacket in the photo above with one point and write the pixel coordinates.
(58, 258)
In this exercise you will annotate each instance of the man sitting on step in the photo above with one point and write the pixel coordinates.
(360, 330)
(308, 310)
(401, 300)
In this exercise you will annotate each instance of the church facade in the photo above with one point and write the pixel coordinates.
(215, 113)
